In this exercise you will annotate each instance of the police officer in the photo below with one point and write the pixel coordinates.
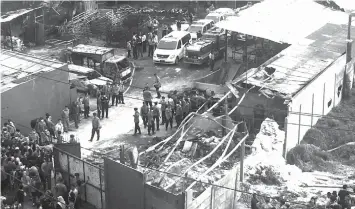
(104, 105)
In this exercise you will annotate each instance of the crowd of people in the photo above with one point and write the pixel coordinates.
(335, 200)
(27, 168)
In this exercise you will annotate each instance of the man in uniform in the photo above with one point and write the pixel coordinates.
(104, 105)
(156, 114)
(163, 105)
(150, 122)
(136, 121)
(120, 92)
(114, 94)
(144, 114)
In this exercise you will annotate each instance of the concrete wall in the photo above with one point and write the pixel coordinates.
(216, 197)
(316, 99)
(156, 198)
(35, 98)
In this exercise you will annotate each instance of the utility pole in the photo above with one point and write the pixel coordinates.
(224, 120)
(348, 76)
(241, 173)
(226, 53)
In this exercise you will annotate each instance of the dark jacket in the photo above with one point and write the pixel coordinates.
(144, 110)
(104, 100)
(147, 96)
(86, 101)
(156, 111)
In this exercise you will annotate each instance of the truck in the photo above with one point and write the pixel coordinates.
(198, 52)
(104, 61)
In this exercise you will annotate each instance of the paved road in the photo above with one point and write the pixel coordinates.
(118, 128)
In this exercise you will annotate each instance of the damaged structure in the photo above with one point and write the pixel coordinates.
(301, 83)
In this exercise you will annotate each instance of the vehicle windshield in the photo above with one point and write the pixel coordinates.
(212, 17)
(167, 45)
(93, 75)
(195, 28)
(123, 63)
(110, 70)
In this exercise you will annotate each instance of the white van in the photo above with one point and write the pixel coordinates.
(200, 25)
(171, 48)
(216, 17)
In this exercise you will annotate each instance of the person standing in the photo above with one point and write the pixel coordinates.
(165, 30)
(157, 85)
(50, 124)
(178, 25)
(144, 41)
(59, 128)
(150, 122)
(254, 202)
(151, 44)
(156, 114)
(186, 108)
(144, 114)
(147, 97)
(134, 46)
(76, 113)
(104, 105)
(65, 118)
(106, 89)
(169, 117)
(86, 102)
(211, 56)
(139, 45)
(155, 40)
(129, 49)
(115, 89)
(120, 92)
(163, 105)
(136, 121)
(178, 116)
(344, 197)
(96, 126)
(199, 35)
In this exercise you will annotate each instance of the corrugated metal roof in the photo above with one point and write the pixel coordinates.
(297, 65)
(9, 16)
(284, 21)
(18, 67)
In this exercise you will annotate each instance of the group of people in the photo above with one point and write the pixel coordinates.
(340, 200)
(26, 168)
(139, 43)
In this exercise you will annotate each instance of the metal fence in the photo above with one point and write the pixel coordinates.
(69, 164)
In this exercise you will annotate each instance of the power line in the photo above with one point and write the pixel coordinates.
(132, 86)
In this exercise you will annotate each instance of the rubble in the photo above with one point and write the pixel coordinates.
(195, 147)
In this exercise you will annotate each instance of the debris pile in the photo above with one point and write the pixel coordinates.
(195, 149)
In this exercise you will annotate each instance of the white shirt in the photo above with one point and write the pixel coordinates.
(155, 39)
(144, 38)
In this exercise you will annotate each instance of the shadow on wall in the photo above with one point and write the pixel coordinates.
(35, 98)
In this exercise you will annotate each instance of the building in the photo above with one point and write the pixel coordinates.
(31, 87)
(298, 85)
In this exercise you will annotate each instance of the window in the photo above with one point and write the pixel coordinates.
(330, 102)
(339, 90)
(123, 63)
(204, 29)
(167, 45)
(179, 45)
(194, 29)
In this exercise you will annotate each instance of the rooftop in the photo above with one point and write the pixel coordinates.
(17, 68)
(201, 22)
(88, 49)
(176, 34)
(79, 69)
(9, 16)
(299, 64)
(198, 45)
